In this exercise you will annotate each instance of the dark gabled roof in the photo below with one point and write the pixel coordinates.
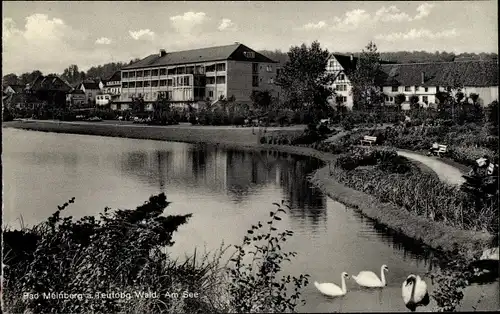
(18, 88)
(89, 85)
(229, 52)
(22, 98)
(50, 83)
(76, 91)
(345, 61)
(117, 76)
(464, 73)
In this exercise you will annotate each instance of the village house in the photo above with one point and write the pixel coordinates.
(76, 98)
(194, 76)
(113, 84)
(91, 89)
(50, 90)
(424, 80)
(340, 66)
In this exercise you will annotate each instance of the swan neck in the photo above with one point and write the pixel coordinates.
(382, 276)
(344, 288)
(413, 287)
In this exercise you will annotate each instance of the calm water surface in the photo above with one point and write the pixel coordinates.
(227, 191)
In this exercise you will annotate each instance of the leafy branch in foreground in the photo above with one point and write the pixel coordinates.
(255, 285)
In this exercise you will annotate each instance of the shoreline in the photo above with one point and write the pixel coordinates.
(436, 235)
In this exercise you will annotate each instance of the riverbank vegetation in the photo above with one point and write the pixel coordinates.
(119, 262)
(391, 178)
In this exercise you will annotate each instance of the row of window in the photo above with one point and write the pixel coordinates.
(424, 99)
(176, 82)
(341, 87)
(408, 88)
(199, 69)
(182, 94)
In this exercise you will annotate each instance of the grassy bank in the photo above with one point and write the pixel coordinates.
(172, 133)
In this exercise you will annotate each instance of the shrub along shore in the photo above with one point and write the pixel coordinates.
(437, 235)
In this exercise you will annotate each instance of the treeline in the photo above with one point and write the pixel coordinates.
(401, 56)
(73, 75)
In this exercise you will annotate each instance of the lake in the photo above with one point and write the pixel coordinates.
(227, 191)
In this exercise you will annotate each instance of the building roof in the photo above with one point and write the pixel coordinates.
(463, 73)
(50, 83)
(22, 98)
(346, 62)
(18, 88)
(229, 52)
(89, 85)
(117, 76)
(76, 91)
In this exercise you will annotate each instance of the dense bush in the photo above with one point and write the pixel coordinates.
(465, 143)
(385, 160)
(255, 286)
(418, 192)
(106, 263)
(6, 115)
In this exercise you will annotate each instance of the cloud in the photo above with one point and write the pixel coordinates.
(50, 44)
(103, 41)
(418, 34)
(9, 28)
(352, 20)
(319, 25)
(391, 14)
(226, 24)
(44, 43)
(424, 10)
(187, 22)
(142, 33)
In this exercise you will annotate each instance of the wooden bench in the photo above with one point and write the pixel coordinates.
(369, 140)
(442, 149)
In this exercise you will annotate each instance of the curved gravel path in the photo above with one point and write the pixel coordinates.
(444, 171)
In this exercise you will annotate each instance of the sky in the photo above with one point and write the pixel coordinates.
(51, 35)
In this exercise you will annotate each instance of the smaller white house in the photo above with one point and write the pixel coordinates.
(91, 90)
(103, 100)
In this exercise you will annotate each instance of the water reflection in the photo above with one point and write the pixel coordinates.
(410, 248)
(236, 174)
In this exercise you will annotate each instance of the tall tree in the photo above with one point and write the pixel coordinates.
(304, 79)
(72, 74)
(365, 92)
(27, 78)
(10, 79)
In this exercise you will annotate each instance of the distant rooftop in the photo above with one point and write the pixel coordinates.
(466, 73)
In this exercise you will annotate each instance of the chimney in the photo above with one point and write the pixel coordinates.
(163, 52)
(423, 77)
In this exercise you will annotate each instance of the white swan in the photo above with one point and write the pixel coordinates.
(331, 289)
(370, 280)
(414, 291)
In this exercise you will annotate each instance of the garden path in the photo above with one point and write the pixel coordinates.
(445, 172)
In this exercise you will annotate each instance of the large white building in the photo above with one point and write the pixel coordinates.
(194, 76)
(424, 80)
